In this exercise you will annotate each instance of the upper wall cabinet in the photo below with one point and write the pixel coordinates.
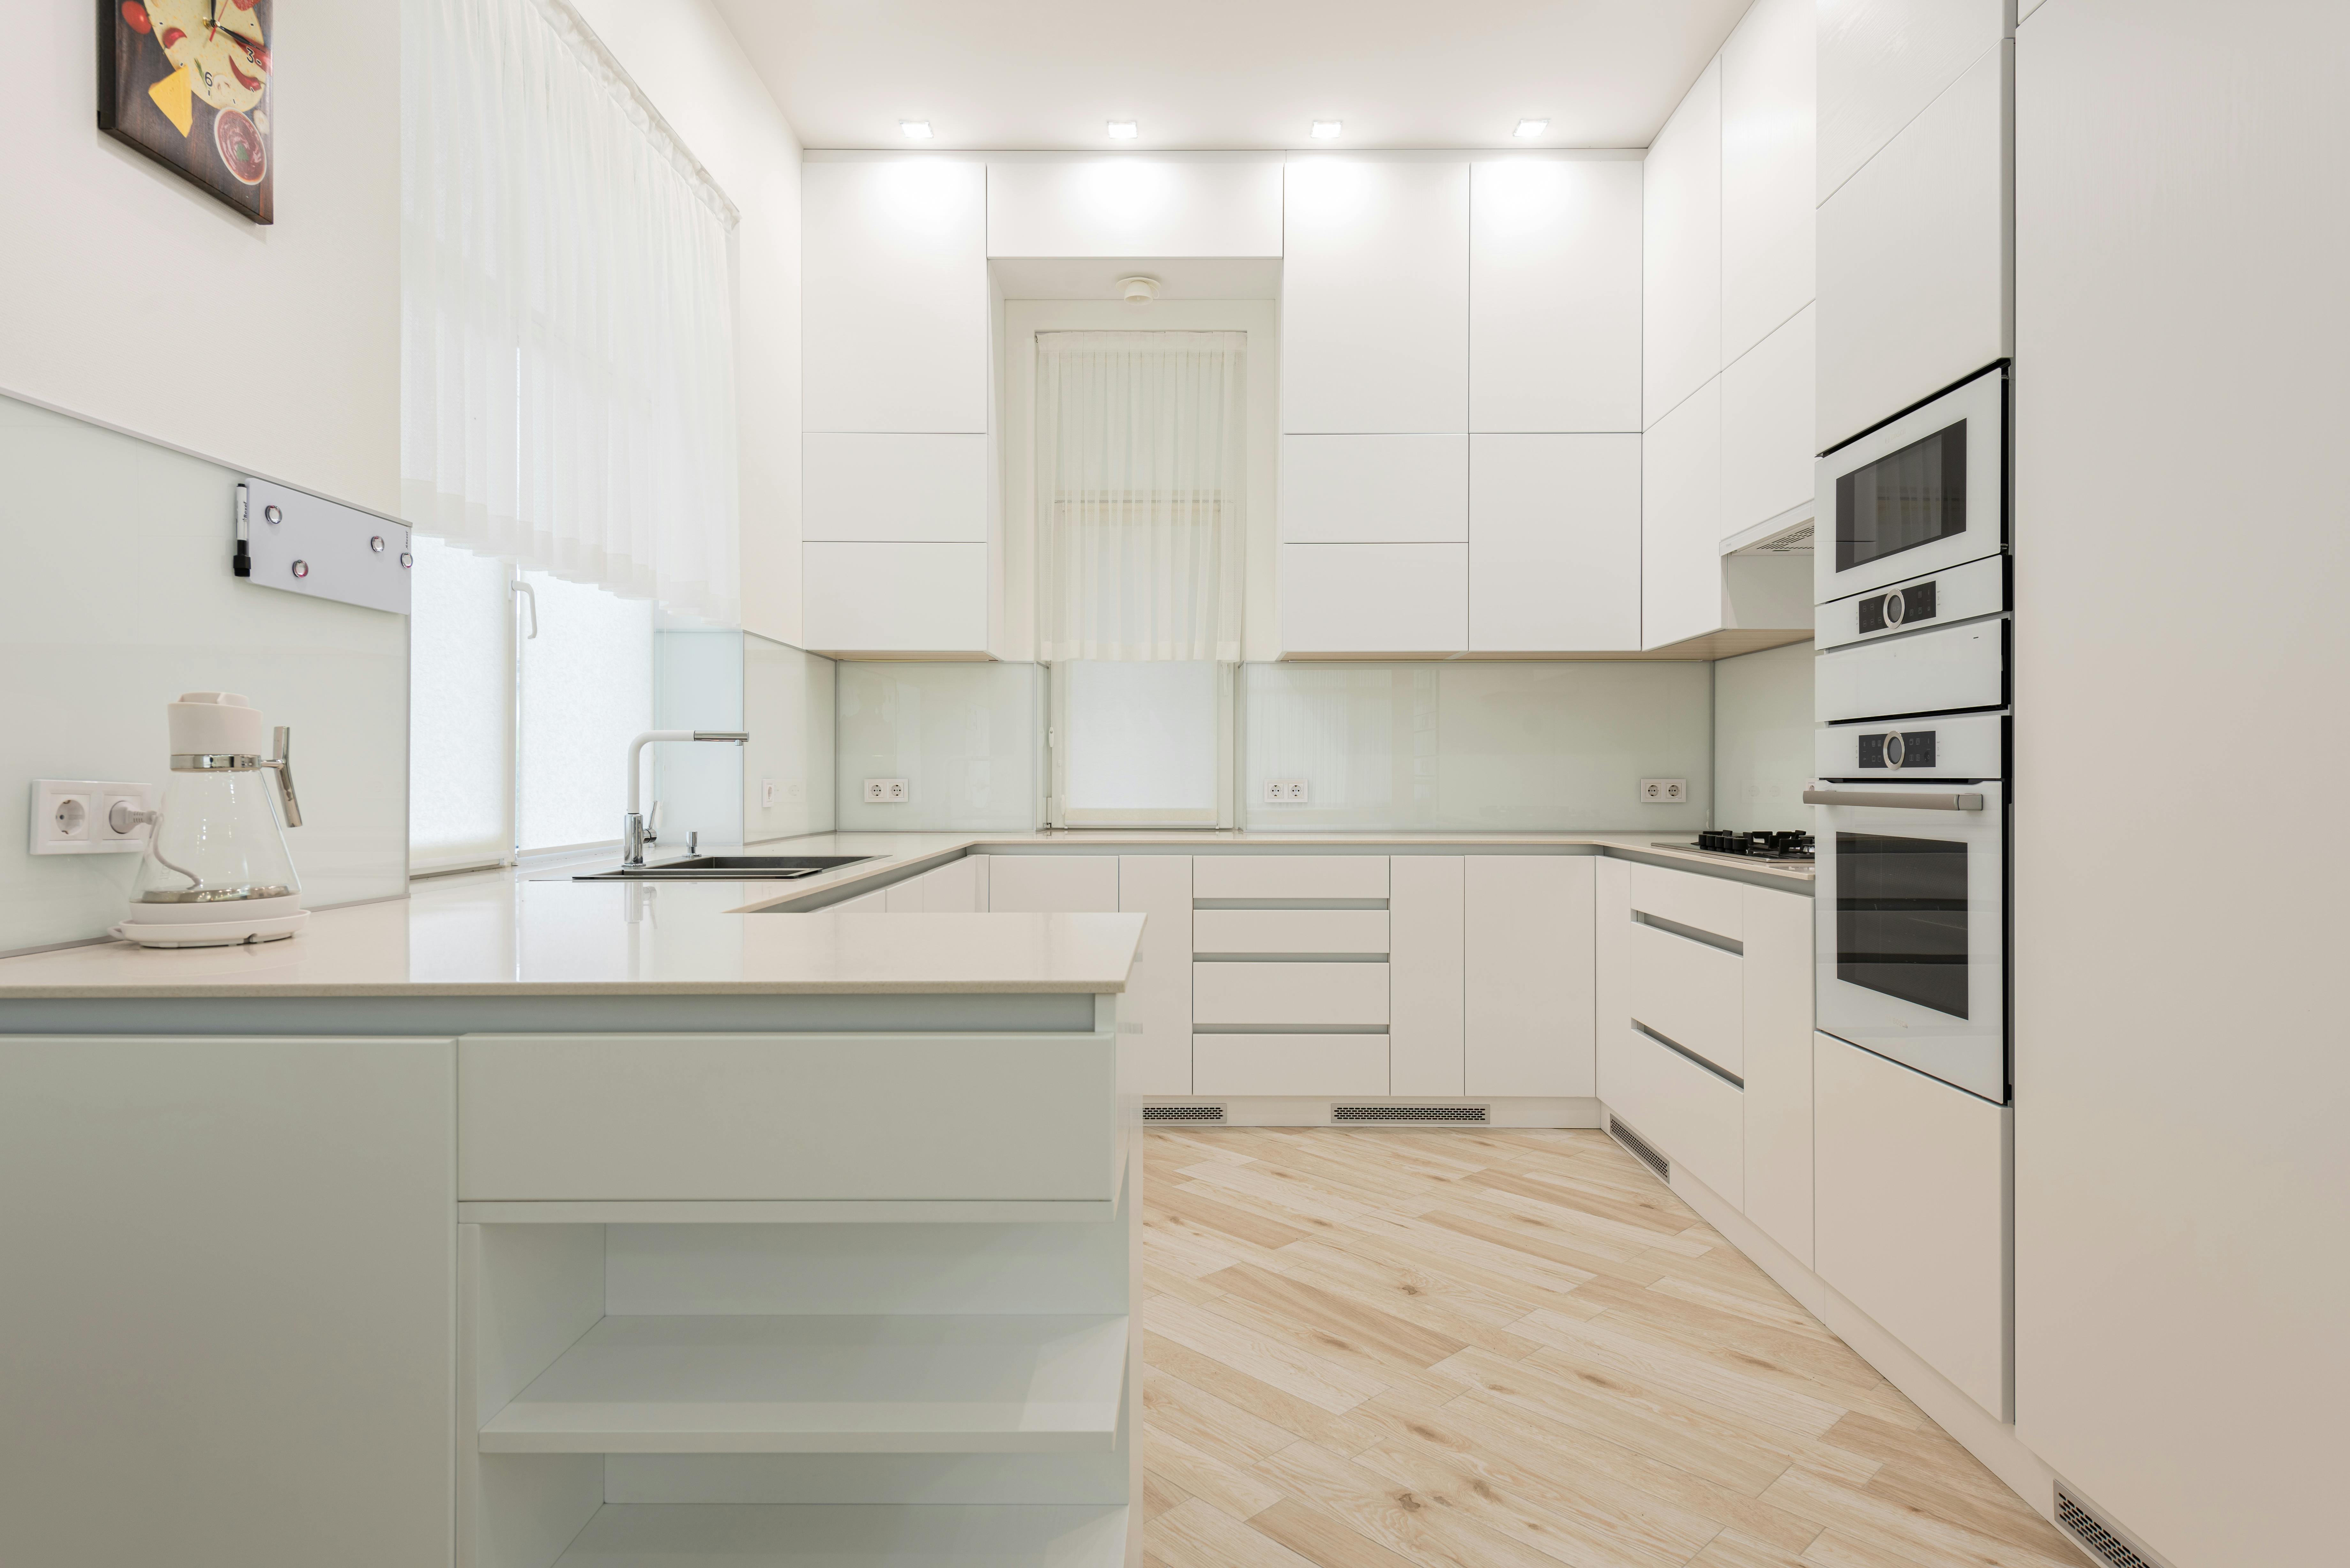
(894, 294)
(1681, 250)
(1680, 533)
(1374, 489)
(894, 489)
(1555, 294)
(1553, 543)
(1199, 204)
(1375, 600)
(1915, 285)
(1375, 307)
(1767, 396)
(1881, 62)
(1767, 172)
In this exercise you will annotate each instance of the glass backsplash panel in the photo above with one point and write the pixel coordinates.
(966, 738)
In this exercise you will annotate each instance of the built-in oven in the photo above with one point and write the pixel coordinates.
(1911, 899)
(1920, 493)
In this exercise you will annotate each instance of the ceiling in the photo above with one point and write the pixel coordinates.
(1047, 74)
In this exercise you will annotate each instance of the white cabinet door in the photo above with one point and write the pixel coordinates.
(1052, 884)
(1555, 294)
(1612, 953)
(1158, 1000)
(230, 1269)
(893, 291)
(1529, 974)
(874, 903)
(1324, 879)
(1680, 515)
(1553, 543)
(1220, 204)
(1913, 276)
(894, 489)
(1374, 489)
(1777, 1009)
(1375, 296)
(1686, 992)
(951, 890)
(896, 598)
(1768, 170)
(1767, 423)
(1912, 1211)
(1882, 62)
(1275, 995)
(1682, 251)
(1373, 598)
(1322, 1067)
(1427, 951)
(1689, 1116)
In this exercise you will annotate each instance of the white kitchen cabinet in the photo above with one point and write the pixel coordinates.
(1268, 995)
(1693, 1118)
(1374, 489)
(1769, 167)
(1327, 878)
(874, 903)
(1682, 251)
(1553, 543)
(894, 489)
(1710, 904)
(1612, 950)
(1158, 1000)
(229, 1278)
(1555, 294)
(1351, 933)
(896, 598)
(1427, 959)
(1687, 993)
(1776, 1016)
(894, 307)
(1882, 62)
(1375, 294)
(1373, 598)
(1320, 1066)
(1915, 288)
(1053, 884)
(1767, 425)
(1163, 204)
(1912, 1213)
(949, 890)
(1680, 515)
(1528, 974)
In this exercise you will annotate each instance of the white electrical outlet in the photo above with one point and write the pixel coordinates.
(74, 816)
(1664, 792)
(1284, 791)
(767, 793)
(885, 792)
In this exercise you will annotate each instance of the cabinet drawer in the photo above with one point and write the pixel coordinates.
(1317, 1065)
(1691, 993)
(1688, 1114)
(1289, 877)
(1289, 931)
(718, 1116)
(1307, 994)
(1708, 903)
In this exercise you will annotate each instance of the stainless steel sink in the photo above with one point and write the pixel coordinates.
(727, 868)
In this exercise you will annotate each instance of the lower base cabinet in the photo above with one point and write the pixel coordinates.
(1529, 975)
(1693, 1118)
(1290, 1065)
(1913, 1212)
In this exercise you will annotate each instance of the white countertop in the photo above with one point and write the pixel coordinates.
(537, 932)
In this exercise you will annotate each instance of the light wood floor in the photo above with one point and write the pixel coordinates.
(1511, 1350)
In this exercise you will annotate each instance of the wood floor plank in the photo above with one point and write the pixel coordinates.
(1159, 1495)
(1397, 1517)
(1267, 1357)
(1381, 1333)
(1295, 1417)
(1195, 1535)
(1195, 1472)
(1322, 1538)
(1209, 1422)
(1196, 1209)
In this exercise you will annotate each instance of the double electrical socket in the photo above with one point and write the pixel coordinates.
(885, 792)
(72, 816)
(1283, 791)
(1664, 792)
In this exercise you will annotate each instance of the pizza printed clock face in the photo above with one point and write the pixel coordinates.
(186, 82)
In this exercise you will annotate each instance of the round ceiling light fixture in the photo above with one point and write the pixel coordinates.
(1137, 290)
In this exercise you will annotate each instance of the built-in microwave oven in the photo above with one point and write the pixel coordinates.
(1920, 493)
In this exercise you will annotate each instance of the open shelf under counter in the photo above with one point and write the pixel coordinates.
(826, 1384)
(687, 1535)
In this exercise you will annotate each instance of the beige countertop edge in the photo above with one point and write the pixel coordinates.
(168, 990)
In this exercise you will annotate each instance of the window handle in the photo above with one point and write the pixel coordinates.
(525, 591)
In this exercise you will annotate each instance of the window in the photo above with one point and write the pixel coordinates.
(1146, 745)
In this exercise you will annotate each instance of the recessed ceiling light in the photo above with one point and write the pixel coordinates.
(1532, 128)
(1325, 129)
(1124, 130)
(919, 130)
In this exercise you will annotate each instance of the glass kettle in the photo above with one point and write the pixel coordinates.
(216, 870)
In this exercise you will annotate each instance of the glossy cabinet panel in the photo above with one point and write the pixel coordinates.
(1555, 543)
(1555, 294)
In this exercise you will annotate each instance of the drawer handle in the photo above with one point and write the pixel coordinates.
(1902, 800)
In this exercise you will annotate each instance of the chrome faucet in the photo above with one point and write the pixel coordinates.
(633, 837)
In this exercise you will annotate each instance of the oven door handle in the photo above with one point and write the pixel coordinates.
(1902, 800)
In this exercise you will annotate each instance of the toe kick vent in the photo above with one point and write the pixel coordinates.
(2105, 1541)
(1639, 1149)
(1182, 1113)
(1478, 1115)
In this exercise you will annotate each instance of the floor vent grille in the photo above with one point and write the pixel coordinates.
(1639, 1149)
(1182, 1113)
(2102, 1540)
(1479, 1115)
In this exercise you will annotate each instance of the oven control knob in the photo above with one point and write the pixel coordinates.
(1894, 609)
(1893, 750)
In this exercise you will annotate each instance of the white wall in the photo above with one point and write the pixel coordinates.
(967, 738)
(686, 60)
(1763, 739)
(2183, 204)
(292, 370)
(787, 707)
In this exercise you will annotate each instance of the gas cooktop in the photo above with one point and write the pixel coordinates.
(1794, 846)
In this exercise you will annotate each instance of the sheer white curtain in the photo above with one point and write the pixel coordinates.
(1141, 487)
(566, 356)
